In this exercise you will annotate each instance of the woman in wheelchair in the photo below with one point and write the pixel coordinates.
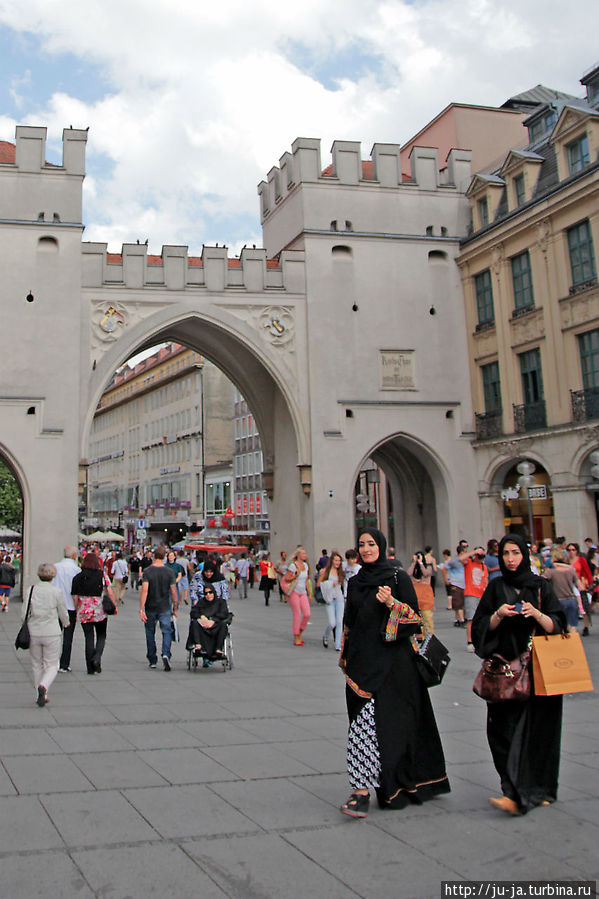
(208, 625)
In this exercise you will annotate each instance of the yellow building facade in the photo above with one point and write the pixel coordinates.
(529, 272)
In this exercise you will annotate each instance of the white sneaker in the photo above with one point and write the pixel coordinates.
(470, 647)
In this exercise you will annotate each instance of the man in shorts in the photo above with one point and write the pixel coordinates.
(455, 574)
(158, 603)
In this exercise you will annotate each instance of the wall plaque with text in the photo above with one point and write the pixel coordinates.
(397, 370)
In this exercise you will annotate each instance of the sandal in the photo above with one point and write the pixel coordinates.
(356, 806)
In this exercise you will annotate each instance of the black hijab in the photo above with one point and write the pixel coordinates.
(210, 565)
(372, 574)
(522, 576)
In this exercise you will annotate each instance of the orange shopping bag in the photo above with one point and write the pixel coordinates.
(559, 665)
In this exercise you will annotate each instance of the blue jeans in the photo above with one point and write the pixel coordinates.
(165, 620)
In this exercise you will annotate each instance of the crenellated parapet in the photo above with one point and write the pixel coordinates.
(304, 166)
(174, 269)
(36, 191)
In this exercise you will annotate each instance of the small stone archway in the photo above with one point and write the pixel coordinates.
(417, 494)
(514, 511)
(268, 389)
(15, 469)
(582, 469)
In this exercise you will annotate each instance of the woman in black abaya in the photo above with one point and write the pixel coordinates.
(524, 736)
(393, 741)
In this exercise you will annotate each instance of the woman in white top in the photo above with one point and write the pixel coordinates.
(299, 599)
(46, 606)
(330, 581)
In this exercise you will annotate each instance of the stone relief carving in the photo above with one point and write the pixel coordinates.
(108, 320)
(277, 324)
(497, 257)
(543, 234)
(531, 327)
(579, 310)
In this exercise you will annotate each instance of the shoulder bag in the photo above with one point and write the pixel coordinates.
(288, 585)
(23, 638)
(108, 607)
(432, 659)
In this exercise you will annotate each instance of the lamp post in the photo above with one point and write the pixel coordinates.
(525, 470)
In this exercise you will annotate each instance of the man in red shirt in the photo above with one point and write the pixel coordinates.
(581, 566)
(476, 578)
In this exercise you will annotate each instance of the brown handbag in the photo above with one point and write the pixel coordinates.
(499, 680)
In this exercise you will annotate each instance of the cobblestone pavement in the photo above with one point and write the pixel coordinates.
(140, 783)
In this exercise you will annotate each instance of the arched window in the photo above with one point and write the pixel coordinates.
(47, 245)
(437, 257)
(341, 251)
(429, 230)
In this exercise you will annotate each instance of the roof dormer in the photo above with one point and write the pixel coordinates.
(576, 140)
(484, 193)
(520, 172)
(590, 80)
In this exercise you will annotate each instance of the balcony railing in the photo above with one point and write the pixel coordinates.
(583, 285)
(585, 404)
(488, 424)
(530, 417)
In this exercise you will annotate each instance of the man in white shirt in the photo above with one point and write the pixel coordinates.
(120, 574)
(243, 567)
(66, 570)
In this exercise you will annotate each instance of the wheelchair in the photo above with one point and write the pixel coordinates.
(197, 658)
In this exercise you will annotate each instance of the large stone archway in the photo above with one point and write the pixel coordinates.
(273, 400)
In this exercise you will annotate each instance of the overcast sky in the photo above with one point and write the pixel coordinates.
(190, 104)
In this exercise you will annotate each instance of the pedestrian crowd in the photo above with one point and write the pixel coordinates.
(379, 617)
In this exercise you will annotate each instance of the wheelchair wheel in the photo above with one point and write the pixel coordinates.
(228, 662)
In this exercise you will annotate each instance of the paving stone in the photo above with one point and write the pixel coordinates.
(155, 736)
(24, 825)
(47, 874)
(27, 741)
(45, 774)
(220, 733)
(89, 739)
(190, 811)
(145, 871)
(277, 804)
(95, 819)
(319, 755)
(186, 766)
(256, 761)
(388, 868)
(240, 866)
(117, 770)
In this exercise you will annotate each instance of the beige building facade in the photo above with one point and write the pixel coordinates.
(532, 310)
(160, 446)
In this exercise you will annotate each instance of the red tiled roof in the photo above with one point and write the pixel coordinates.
(192, 261)
(7, 152)
(367, 170)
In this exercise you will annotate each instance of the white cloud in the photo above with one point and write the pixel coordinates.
(204, 98)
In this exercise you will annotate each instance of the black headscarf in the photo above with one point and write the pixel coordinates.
(522, 576)
(372, 574)
(210, 565)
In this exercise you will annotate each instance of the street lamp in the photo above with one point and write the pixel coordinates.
(525, 470)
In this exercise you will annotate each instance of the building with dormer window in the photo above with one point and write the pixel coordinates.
(529, 273)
